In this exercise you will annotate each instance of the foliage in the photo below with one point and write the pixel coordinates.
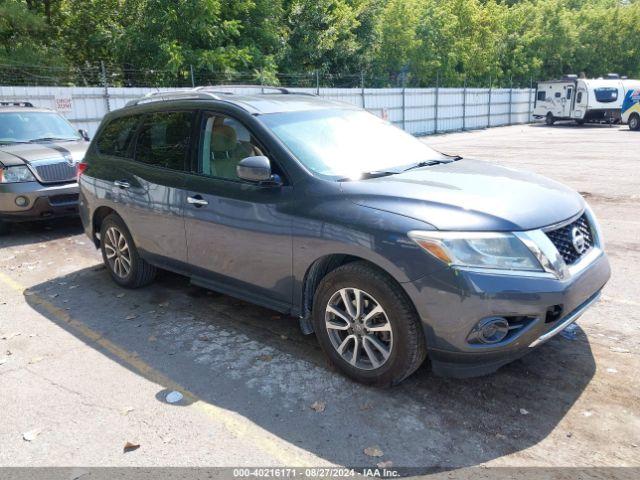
(391, 41)
(23, 34)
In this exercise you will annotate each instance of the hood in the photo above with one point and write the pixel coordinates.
(18, 154)
(469, 195)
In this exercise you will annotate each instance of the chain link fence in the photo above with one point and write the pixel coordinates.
(86, 93)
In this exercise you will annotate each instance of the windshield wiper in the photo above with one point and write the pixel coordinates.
(367, 175)
(52, 139)
(453, 158)
(424, 164)
(376, 174)
(428, 163)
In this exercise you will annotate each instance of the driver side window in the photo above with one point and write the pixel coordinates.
(225, 142)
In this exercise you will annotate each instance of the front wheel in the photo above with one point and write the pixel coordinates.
(634, 122)
(549, 119)
(121, 256)
(367, 326)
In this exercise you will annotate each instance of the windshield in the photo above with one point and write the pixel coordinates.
(34, 126)
(606, 94)
(347, 143)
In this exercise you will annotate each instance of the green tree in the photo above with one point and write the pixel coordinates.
(324, 35)
(24, 36)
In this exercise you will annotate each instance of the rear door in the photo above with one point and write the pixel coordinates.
(239, 235)
(150, 188)
(580, 106)
(567, 101)
(558, 100)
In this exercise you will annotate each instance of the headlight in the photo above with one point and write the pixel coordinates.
(503, 251)
(21, 173)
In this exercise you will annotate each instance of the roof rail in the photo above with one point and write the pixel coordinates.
(261, 87)
(283, 90)
(16, 104)
(193, 94)
(208, 92)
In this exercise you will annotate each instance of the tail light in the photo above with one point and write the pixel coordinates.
(81, 167)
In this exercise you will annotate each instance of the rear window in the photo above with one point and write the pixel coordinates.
(116, 136)
(164, 139)
(606, 94)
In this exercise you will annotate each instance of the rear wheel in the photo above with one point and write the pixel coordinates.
(580, 122)
(367, 326)
(121, 256)
(549, 119)
(634, 122)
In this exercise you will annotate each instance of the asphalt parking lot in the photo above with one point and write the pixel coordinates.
(85, 365)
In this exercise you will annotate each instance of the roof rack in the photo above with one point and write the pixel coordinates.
(193, 94)
(261, 87)
(16, 104)
(283, 90)
(208, 92)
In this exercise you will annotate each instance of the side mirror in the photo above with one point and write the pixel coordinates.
(256, 169)
(84, 134)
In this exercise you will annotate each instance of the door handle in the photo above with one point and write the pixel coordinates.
(121, 184)
(197, 201)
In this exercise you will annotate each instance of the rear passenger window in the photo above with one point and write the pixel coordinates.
(116, 136)
(164, 139)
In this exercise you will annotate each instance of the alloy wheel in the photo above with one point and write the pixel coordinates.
(117, 252)
(359, 328)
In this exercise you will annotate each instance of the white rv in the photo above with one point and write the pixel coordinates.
(581, 99)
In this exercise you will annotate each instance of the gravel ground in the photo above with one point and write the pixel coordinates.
(85, 366)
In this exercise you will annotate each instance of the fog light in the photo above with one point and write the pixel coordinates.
(22, 201)
(490, 330)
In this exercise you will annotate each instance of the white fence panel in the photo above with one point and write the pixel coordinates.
(419, 111)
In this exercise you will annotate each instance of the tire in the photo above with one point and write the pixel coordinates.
(549, 119)
(580, 122)
(634, 122)
(121, 256)
(398, 329)
(5, 227)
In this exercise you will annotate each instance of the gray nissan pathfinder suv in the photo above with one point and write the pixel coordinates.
(39, 153)
(389, 251)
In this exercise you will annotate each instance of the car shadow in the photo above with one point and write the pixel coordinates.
(572, 124)
(255, 362)
(27, 233)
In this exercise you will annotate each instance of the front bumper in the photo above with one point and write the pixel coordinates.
(451, 302)
(43, 202)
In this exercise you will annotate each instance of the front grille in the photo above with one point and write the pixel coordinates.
(56, 172)
(563, 239)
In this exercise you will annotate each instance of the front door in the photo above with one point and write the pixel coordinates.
(239, 235)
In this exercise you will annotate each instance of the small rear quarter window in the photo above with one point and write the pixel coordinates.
(116, 136)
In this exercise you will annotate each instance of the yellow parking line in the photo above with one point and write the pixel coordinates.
(285, 453)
